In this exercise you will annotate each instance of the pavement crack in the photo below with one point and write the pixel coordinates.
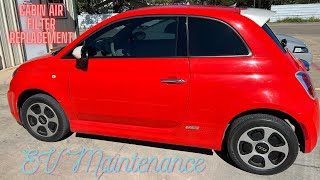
(113, 158)
(303, 165)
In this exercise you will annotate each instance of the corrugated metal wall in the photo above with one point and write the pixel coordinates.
(68, 24)
(295, 10)
(10, 54)
(15, 54)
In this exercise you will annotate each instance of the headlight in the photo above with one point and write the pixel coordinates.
(300, 50)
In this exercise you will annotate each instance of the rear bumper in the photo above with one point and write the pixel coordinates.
(311, 127)
(304, 56)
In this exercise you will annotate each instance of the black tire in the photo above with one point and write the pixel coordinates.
(61, 125)
(256, 126)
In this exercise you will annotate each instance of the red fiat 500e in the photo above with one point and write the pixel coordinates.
(209, 77)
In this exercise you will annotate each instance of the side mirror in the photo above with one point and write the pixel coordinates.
(283, 43)
(81, 53)
(77, 52)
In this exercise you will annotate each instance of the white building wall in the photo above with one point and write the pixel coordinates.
(10, 54)
(14, 54)
(303, 11)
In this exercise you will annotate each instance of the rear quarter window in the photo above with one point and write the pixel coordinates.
(267, 29)
(208, 37)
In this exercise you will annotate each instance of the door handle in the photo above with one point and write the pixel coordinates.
(173, 81)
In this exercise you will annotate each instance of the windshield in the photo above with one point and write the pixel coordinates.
(266, 28)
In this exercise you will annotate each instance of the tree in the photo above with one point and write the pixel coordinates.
(88, 6)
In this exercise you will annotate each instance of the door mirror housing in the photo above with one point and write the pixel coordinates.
(77, 52)
(81, 53)
(283, 43)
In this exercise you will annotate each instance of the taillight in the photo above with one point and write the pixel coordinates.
(305, 81)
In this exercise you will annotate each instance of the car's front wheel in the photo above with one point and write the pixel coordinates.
(262, 144)
(44, 118)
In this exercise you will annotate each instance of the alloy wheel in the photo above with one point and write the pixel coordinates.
(42, 119)
(263, 148)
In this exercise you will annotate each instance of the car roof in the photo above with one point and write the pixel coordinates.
(194, 7)
(259, 16)
(190, 8)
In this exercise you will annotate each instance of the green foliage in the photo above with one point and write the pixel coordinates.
(298, 20)
(222, 2)
(87, 5)
(161, 1)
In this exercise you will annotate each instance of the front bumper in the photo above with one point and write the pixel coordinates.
(12, 101)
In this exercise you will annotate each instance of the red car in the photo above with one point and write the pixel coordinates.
(209, 77)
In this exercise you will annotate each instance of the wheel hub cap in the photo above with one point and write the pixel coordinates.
(42, 119)
(262, 148)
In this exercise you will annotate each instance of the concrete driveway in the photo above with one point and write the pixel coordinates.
(15, 142)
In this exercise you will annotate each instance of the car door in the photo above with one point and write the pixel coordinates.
(221, 66)
(133, 77)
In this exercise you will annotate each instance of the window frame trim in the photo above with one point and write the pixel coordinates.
(215, 56)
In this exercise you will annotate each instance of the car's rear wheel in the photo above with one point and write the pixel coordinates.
(262, 144)
(44, 118)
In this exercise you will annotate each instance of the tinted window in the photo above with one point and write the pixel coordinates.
(213, 38)
(139, 37)
(182, 49)
(266, 28)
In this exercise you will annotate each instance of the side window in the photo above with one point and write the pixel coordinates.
(159, 29)
(209, 37)
(139, 37)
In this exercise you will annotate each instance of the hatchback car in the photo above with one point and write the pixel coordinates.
(209, 77)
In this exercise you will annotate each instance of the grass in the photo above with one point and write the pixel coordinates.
(298, 20)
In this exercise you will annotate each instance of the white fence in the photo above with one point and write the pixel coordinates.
(303, 11)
